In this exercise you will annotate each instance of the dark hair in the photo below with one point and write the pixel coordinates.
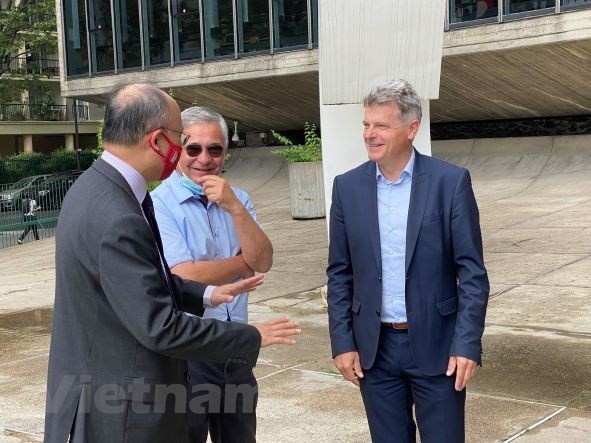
(132, 111)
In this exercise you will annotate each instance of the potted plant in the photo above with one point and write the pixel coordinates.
(306, 181)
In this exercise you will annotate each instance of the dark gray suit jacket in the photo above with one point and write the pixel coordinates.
(117, 342)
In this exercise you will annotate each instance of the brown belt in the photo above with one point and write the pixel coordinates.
(399, 326)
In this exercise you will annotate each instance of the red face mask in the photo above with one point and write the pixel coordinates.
(171, 159)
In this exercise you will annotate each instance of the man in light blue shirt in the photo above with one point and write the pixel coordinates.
(210, 234)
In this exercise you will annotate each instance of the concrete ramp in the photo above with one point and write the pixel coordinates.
(541, 167)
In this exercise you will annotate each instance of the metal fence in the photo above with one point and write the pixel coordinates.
(40, 228)
(29, 209)
(41, 112)
(31, 65)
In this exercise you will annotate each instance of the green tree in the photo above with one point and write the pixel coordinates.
(27, 28)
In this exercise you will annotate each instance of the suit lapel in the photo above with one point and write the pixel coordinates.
(371, 206)
(416, 209)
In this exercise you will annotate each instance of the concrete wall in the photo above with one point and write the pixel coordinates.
(364, 44)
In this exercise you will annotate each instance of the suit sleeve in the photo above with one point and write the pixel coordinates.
(340, 279)
(129, 272)
(473, 287)
(189, 295)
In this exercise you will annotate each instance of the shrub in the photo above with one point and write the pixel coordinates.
(310, 151)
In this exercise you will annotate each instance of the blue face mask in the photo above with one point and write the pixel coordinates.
(191, 186)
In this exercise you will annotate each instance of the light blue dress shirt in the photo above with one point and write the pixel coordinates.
(393, 201)
(192, 232)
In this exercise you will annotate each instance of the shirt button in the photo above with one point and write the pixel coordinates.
(378, 312)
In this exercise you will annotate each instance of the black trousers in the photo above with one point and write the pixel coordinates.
(222, 401)
(33, 227)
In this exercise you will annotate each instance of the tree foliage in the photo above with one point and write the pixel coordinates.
(27, 28)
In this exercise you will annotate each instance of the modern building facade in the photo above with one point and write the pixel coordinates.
(257, 61)
(35, 122)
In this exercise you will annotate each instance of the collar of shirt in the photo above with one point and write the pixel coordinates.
(180, 193)
(136, 181)
(406, 172)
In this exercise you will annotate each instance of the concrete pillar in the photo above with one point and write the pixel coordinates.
(363, 45)
(69, 142)
(27, 143)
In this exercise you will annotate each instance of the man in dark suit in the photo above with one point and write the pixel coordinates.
(407, 287)
(120, 337)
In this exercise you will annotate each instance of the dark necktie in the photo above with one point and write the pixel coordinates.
(148, 208)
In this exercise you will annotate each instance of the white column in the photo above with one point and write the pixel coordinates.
(28, 143)
(364, 44)
(69, 142)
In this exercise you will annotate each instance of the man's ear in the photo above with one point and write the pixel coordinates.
(413, 129)
(152, 136)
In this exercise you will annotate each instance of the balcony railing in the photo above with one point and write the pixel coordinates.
(41, 112)
(27, 66)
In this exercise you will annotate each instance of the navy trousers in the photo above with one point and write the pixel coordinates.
(394, 384)
(228, 417)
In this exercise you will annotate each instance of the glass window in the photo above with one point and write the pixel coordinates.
(219, 27)
(575, 2)
(156, 32)
(101, 36)
(186, 30)
(253, 25)
(467, 10)
(516, 6)
(290, 25)
(129, 53)
(75, 37)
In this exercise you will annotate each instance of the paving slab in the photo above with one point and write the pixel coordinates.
(310, 406)
(494, 419)
(534, 240)
(570, 426)
(535, 364)
(550, 308)
(517, 268)
(577, 273)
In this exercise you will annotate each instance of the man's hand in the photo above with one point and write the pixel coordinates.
(218, 190)
(277, 331)
(349, 366)
(464, 369)
(226, 293)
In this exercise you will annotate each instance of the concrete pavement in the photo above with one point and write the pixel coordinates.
(535, 385)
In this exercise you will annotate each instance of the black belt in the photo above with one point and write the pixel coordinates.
(398, 326)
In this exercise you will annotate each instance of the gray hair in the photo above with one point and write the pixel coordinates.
(402, 93)
(202, 114)
(132, 111)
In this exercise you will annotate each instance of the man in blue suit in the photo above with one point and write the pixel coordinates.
(407, 286)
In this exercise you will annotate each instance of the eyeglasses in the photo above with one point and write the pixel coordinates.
(195, 150)
(184, 136)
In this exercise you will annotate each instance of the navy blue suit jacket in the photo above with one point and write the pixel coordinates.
(446, 281)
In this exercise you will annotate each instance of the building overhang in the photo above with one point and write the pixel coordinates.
(535, 67)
